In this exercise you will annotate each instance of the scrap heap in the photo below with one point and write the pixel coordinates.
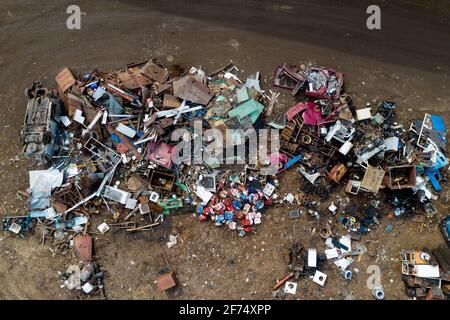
(110, 141)
(426, 274)
(365, 149)
(397, 170)
(114, 143)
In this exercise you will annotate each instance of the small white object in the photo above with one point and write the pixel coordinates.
(378, 293)
(332, 208)
(343, 263)
(346, 147)
(65, 121)
(144, 208)
(425, 256)
(15, 228)
(320, 278)
(49, 214)
(346, 241)
(126, 130)
(95, 120)
(172, 241)
(268, 189)
(312, 258)
(257, 219)
(290, 287)
(131, 204)
(143, 141)
(124, 158)
(80, 220)
(203, 194)
(289, 198)
(103, 227)
(392, 143)
(154, 197)
(98, 93)
(329, 243)
(347, 274)
(332, 253)
(87, 287)
(425, 271)
(229, 75)
(105, 117)
(116, 194)
(363, 114)
(78, 116)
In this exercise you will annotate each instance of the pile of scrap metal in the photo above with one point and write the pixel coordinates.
(86, 278)
(311, 264)
(364, 149)
(426, 274)
(108, 145)
(107, 140)
(396, 170)
(141, 143)
(315, 82)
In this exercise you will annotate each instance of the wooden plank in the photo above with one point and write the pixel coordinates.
(65, 79)
(144, 227)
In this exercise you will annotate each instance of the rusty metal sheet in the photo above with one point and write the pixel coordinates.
(171, 101)
(133, 79)
(154, 72)
(155, 208)
(166, 281)
(65, 79)
(219, 108)
(189, 88)
(337, 172)
(73, 103)
(161, 88)
(82, 245)
(59, 206)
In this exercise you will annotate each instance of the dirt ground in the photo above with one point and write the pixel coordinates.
(408, 61)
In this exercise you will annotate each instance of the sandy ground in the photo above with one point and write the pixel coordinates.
(408, 61)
